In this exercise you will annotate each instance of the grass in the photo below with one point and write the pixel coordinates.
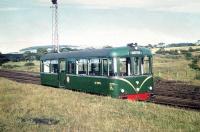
(174, 68)
(25, 107)
(20, 66)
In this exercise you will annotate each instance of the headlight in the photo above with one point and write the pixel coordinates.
(137, 89)
(122, 90)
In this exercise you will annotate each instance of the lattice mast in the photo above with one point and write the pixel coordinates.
(55, 39)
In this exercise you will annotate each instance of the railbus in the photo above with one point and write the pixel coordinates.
(121, 72)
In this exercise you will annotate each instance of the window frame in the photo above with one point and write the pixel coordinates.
(51, 67)
(73, 71)
(48, 71)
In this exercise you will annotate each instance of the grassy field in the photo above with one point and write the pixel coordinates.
(174, 68)
(182, 48)
(20, 66)
(176, 48)
(27, 107)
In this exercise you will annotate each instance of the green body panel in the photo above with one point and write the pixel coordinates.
(131, 85)
(49, 79)
(110, 86)
(62, 78)
(91, 84)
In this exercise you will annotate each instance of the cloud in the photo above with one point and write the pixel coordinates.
(191, 6)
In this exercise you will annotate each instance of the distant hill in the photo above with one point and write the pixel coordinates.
(33, 49)
(180, 44)
(11, 57)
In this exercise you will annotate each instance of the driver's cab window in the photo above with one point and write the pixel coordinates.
(145, 65)
(136, 65)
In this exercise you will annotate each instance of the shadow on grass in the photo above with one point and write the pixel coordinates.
(44, 121)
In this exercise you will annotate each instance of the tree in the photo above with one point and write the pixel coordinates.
(161, 51)
(190, 49)
(161, 45)
(41, 52)
(67, 49)
(3, 59)
(150, 45)
(194, 65)
(188, 55)
(29, 56)
(107, 46)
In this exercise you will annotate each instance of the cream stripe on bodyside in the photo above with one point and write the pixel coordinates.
(122, 79)
(145, 81)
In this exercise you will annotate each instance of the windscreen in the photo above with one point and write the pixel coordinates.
(134, 66)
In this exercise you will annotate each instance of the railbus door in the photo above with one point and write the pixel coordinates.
(62, 72)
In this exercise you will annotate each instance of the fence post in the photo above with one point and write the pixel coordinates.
(177, 76)
(159, 73)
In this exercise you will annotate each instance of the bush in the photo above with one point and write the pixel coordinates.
(8, 66)
(170, 52)
(161, 51)
(197, 77)
(190, 49)
(170, 56)
(29, 64)
(193, 50)
(188, 55)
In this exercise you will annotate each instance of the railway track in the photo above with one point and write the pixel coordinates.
(166, 92)
(19, 76)
(177, 94)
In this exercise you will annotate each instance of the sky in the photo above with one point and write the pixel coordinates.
(96, 23)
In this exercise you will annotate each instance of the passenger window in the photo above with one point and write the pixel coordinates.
(46, 66)
(82, 66)
(94, 67)
(124, 66)
(54, 66)
(111, 67)
(105, 67)
(71, 67)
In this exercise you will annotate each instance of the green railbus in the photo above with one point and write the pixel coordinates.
(121, 72)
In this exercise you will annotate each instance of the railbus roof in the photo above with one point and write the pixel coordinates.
(97, 53)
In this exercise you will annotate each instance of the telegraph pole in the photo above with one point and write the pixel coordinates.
(55, 39)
